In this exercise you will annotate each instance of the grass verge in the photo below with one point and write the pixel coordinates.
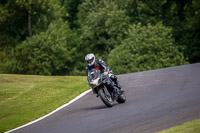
(189, 127)
(24, 98)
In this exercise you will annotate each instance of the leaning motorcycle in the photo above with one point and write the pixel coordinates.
(101, 85)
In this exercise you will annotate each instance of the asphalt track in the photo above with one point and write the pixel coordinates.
(156, 100)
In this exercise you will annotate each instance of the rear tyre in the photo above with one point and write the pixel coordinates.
(121, 98)
(105, 97)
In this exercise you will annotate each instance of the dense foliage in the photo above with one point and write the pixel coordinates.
(146, 47)
(46, 53)
(51, 37)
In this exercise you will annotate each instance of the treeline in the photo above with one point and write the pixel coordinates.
(52, 37)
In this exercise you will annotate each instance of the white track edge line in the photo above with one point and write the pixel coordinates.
(59, 108)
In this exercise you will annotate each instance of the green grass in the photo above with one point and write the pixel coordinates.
(24, 98)
(189, 127)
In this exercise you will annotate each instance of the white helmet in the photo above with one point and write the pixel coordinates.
(90, 59)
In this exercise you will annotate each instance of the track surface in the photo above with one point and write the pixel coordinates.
(156, 100)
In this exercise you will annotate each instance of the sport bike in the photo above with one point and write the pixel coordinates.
(104, 87)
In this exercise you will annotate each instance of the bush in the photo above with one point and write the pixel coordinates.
(145, 48)
(47, 53)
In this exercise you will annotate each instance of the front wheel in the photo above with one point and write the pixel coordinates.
(105, 97)
(121, 98)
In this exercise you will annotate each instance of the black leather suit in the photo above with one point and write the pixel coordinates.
(101, 65)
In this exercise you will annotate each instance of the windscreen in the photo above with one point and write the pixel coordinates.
(93, 74)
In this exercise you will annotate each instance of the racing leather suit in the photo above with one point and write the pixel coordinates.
(101, 65)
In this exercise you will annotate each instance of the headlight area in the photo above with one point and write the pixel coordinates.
(94, 82)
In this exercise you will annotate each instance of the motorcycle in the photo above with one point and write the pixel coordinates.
(101, 85)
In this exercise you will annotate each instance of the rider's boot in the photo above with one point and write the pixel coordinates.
(119, 86)
(115, 79)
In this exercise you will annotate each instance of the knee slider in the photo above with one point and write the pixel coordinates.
(113, 77)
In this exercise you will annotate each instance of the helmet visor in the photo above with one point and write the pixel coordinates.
(90, 61)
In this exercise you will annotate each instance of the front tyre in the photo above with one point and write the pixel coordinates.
(121, 98)
(105, 97)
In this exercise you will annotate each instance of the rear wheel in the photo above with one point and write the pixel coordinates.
(121, 98)
(105, 97)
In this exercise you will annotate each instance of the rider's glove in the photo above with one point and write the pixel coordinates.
(105, 73)
(110, 74)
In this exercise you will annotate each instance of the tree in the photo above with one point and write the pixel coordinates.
(102, 25)
(145, 11)
(145, 48)
(71, 9)
(22, 18)
(189, 34)
(181, 15)
(47, 53)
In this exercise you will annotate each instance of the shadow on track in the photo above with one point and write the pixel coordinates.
(100, 107)
(96, 107)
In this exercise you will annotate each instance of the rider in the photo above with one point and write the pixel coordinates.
(99, 64)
